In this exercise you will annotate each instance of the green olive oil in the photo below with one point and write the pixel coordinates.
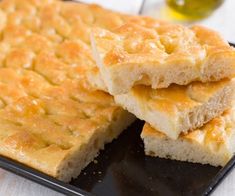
(192, 9)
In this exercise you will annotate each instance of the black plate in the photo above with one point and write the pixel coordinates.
(123, 169)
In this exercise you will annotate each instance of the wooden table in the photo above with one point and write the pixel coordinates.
(222, 20)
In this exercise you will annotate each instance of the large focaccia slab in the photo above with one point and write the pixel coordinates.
(151, 52)
(50, 117)
(213, 144)
(57, 130)
(178, 109)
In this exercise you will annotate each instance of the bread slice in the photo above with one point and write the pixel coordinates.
(160, 54)
(178, 108)
(213, 144)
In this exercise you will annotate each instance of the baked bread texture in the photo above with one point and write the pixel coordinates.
(213, 144)
(56, 129)
(50, 117)
(178, 108)
(156, 53)
(48, 23)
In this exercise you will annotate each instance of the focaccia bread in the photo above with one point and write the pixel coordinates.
(57, 19)
(48, 23)
(50, 117)
(156, 53)
(178, 108)
(213, 144)
(56, 129)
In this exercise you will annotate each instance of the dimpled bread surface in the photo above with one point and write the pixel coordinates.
(50, 117)
(156, 53)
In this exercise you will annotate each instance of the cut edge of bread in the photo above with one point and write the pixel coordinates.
(158, 145)
(95, 80)
(183, 121)
(100, 82)
(120, 80)
(73, 165)
(121, 77)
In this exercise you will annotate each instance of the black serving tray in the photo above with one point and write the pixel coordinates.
(123, 169)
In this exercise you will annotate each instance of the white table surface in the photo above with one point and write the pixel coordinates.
(223, 20)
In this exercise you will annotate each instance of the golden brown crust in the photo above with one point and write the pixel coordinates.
(162, 40)
(148, 50)
(48, 112)
(38, 118)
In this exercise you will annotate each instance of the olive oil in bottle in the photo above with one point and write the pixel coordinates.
(192, 9)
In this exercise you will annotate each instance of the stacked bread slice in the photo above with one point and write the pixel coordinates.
(177, 79)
